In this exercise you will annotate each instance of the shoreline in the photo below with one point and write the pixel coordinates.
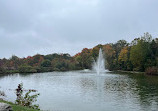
(131, 72)
(115, 71)
(15, 72)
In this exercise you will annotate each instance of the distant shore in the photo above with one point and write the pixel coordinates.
(131, 72)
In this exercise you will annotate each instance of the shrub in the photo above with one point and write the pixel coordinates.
(62, 69)
(46, 69)
(26, 69)
(27, 99)
(152, 71)
(2, 70)
(56, 69)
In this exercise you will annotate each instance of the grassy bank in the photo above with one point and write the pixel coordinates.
(17, 107)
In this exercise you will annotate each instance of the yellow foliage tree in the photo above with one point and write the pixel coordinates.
(123, 56)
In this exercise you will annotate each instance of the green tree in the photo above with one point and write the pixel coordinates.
(46, 63)
(154, 53)
(140, 53)
(86, 58)
(95, 51)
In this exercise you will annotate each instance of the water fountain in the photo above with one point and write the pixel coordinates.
(99, 65)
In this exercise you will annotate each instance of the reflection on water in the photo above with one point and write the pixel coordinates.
(75, 91)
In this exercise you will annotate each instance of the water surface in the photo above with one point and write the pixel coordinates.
(87, 91)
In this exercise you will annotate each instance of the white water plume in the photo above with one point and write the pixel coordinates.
(99, 65)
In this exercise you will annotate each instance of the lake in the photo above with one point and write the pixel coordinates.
(87, 91)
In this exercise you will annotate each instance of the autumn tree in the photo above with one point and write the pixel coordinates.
(123, 59)
(78, 60)
(36, 60)
(109, 55)
(85, 58)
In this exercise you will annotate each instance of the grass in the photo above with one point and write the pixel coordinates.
(18, 107)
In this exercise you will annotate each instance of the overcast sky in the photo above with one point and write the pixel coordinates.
(28, 27)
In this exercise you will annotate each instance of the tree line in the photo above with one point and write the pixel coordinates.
(38, 63)
(139, 55)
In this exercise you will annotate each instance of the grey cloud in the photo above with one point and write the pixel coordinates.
(28, 27)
